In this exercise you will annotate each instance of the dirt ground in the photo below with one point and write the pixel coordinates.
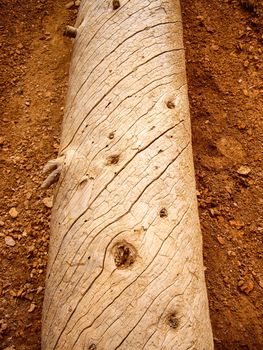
(223, 43)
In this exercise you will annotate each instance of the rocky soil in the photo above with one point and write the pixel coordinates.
(223, 41)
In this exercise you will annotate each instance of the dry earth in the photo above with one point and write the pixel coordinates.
(224, 65)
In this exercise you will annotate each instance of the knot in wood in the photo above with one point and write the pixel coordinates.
(113, 159)
(92, 347)
(163, 213)
(170, 104)
(173, 321)
(115, 4)
(124, 255)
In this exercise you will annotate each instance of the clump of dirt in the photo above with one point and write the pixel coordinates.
(223, 41)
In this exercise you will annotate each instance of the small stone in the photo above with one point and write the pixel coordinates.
(209, 28)
(241, 125)
(231, 253)
(39, 289)
(214, 212)
(243, 170)
(236, 233)
(32, 307)
(246, 286)
(3, 325)
(220, 240)
(226, 279)
(27, 103)
(29, 296)
(48, 202)
(9, 241)
(56, 146)
(69, 5)
(246, 64)
(236, 224)
(215, 47)
(48, 94)
(77, 3)
(245, 92)
(10, 348)
(30, 249)
(2, 223)
(28, 195)
(20, 46)
(13, 213)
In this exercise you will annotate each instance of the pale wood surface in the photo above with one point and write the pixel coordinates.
(125, 261)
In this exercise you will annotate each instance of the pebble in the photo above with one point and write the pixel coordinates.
(39, 289)
(220, 240)
(77, 3)
(3, 325)
(215, 47)
(28, 195)
(241, 125)
(246, 64)
(13, 213)
(32, 307)
(246, 286)
(245, 92)
(226, 279)
(48, 202)
(9, 241)
(2, 223)
(243, 170)
(48, 94)
(231, 253)
(236, 224)
(69, 5)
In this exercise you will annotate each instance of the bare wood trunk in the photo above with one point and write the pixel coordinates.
(125, 261)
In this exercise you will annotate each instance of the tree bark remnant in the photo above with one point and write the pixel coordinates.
(125, 260)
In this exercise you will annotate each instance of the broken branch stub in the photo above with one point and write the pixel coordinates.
(55, 166)
(70, 32)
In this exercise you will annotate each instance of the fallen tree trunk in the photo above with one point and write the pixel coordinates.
(125, 261)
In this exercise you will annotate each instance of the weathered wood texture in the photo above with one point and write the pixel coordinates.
(125, 262)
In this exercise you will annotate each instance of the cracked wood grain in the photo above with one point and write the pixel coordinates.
(127, 160)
